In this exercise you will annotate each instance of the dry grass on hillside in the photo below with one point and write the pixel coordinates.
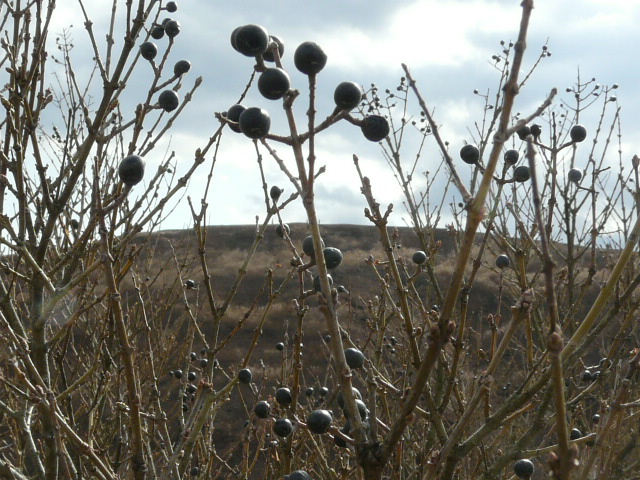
(171, 257)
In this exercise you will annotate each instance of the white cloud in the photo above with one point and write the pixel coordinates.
(425, 32)
(580, 16)
(446, 43)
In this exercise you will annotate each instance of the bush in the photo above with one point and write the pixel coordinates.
(116, 363)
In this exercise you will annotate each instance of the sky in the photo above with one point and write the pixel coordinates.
(447, 44)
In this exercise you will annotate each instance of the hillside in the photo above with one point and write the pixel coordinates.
(226, 248)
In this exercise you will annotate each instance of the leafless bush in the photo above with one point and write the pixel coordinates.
(95, 308)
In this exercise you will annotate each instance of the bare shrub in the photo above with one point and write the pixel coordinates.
(121, 346)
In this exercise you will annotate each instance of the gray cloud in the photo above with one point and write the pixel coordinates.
(365, 45)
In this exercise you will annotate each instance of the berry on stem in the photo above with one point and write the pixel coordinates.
(536, 131)
(148, 50)
(283, 427)
(578, 133)
(375, 128)
(470, 154)
(332, 257)
(511, 157)
(340, 397)
(157, 32)
(275, 193)
(245, 376)
(316, 282)
(523, 132)
(521, 174)
(283, 396)
(355, 358)
(172, 28)
(280, 229)
(131, 170)
(307, 246)
(181, 67)
(574, 175)
(309, 58)
(168, 100)
(233, 114)
(254, 122)
(298, 475)
(523, 468)
(419, 257)
(502, 261)
(273, 83)
(347, 95)
(268, 54)
(250, 40)
(319, 421)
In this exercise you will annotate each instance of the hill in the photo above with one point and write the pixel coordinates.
(263, 314)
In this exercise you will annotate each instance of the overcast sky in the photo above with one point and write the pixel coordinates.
(447, 44)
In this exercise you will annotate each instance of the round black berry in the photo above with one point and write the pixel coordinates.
(355, 358)
(168, 100)
(244, 376)
(307, 246)
(262, 409)
(309, 58)
(375, 128)
(332, 257)
(148, 50)
(181, 67)
(347, 95)
(523, 468)
(470, 154)
(283, 396)
(233, 114)
(250, 40)
(521, 174)
(131, 170)
(316, 282)
(523, 132)
(319, 421)
(578, 133)
(419, 257)
(502, 261)
(283, 427)
(172, 28)
(273, 83)
(254, 122)
(268, 54)
(280, 229)
(511, 157)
